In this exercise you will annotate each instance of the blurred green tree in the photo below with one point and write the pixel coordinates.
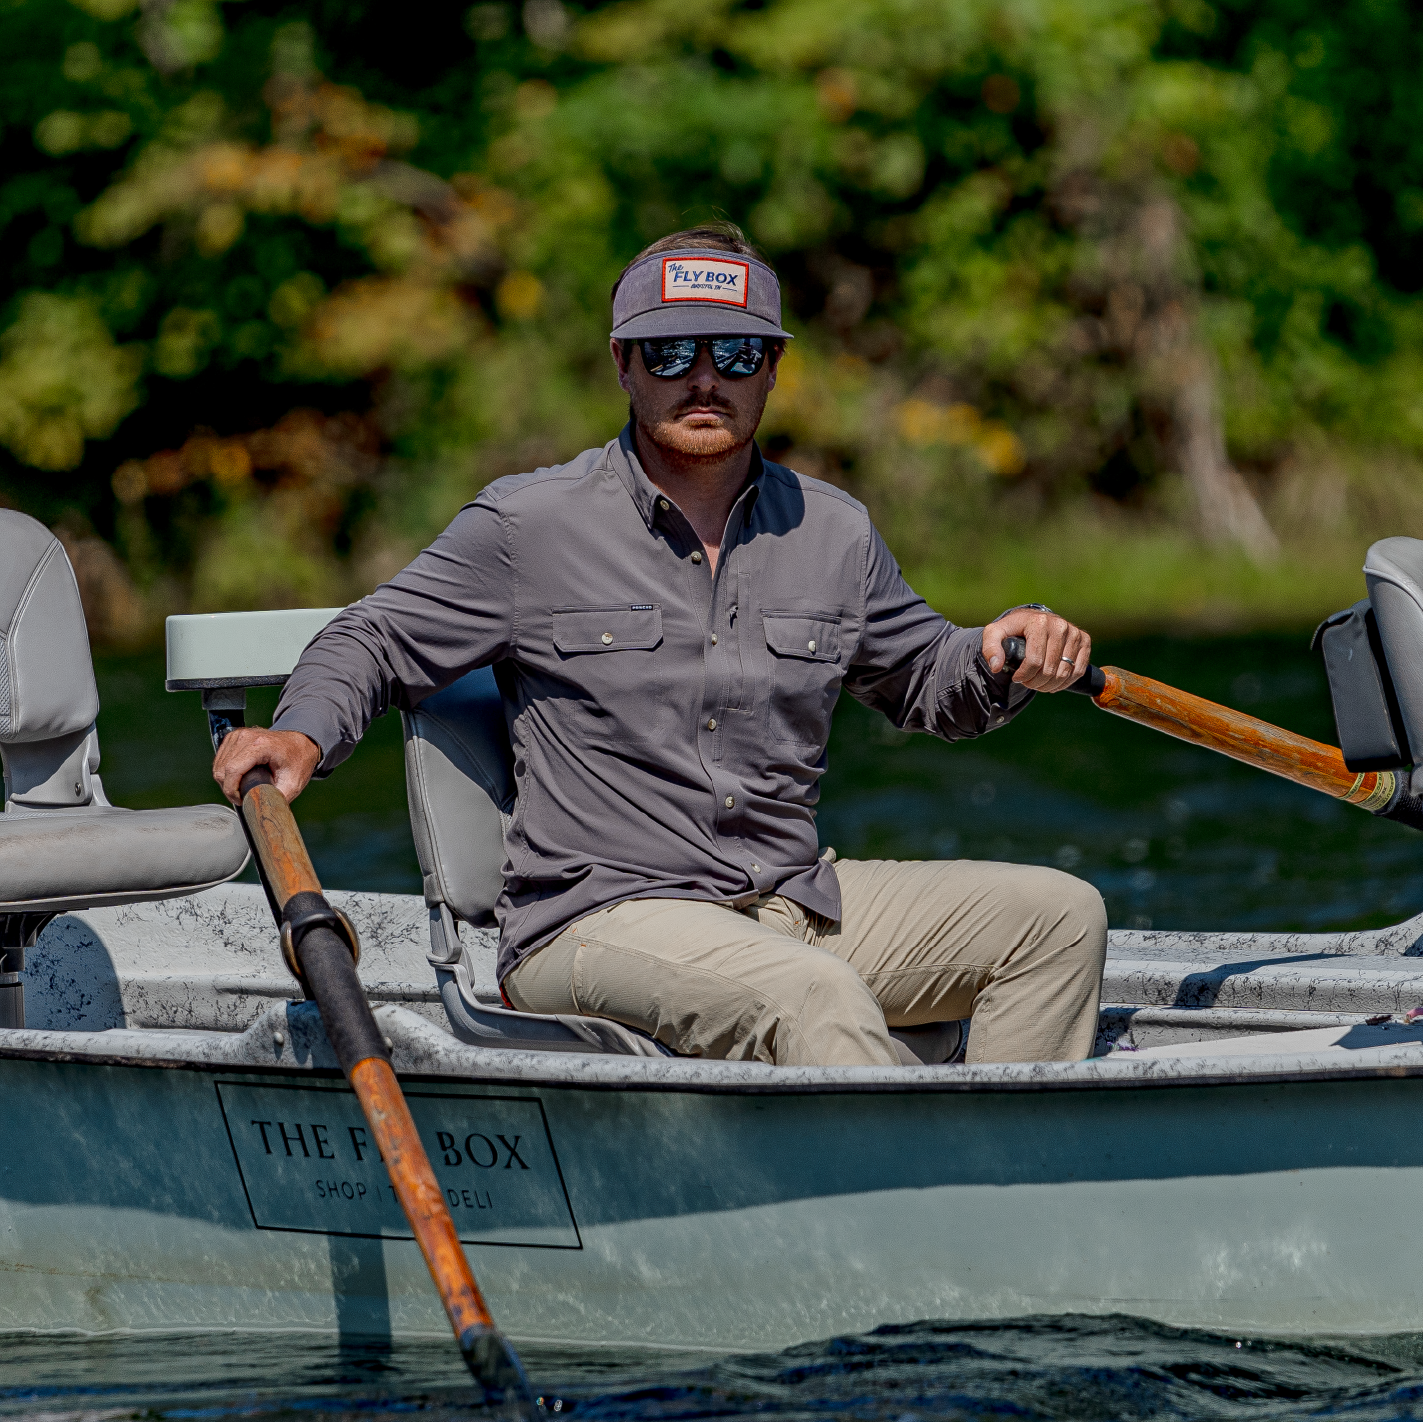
(290, 281)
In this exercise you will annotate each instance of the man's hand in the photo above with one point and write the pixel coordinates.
(1058, 653)
(292, 756)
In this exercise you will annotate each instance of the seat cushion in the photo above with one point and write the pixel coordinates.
(74, 859)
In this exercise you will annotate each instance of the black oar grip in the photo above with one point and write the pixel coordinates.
(330, 977)
(257, 776)
(1091, 683)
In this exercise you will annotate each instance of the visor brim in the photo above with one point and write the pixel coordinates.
(696, 318)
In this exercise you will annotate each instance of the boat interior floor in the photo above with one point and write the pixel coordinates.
(210, 963)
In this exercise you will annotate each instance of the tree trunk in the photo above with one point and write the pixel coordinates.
(1181, 374)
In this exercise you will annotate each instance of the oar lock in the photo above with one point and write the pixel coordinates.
(304, 912)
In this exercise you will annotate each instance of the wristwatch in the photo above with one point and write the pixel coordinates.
(1017, 607)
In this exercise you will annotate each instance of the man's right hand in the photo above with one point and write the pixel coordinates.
(292, 756)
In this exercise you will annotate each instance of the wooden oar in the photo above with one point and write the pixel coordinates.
(1232, 733)
(319, 948)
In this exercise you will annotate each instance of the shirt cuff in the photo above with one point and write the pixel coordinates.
(311, 727)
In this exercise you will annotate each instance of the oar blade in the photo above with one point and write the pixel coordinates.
(490, 1357)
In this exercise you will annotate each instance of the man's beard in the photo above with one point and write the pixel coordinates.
(693, 445)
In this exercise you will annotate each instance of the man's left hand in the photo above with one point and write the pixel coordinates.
(1058, 653)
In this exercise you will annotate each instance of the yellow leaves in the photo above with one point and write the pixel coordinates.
(305, 448)
(898, 165)
(128, 482)
(219, 226)
(1310, 126)
(797, 211)
(106, 9)
(379, 322)
(519, 296)
(641, 29)
(65, 131)
(335, 117)
(819, 401)
(893, 165)
(329, 139)
(61, 132)
(923, 423)
(494, 206)
(185, 339)
(1001, 450)
(82, 62)
(181, 33)
(835, 89)
(62, 380)
(295, 298)
(535, 99)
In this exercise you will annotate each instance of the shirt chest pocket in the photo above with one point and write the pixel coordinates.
(617, 629)
(805, 676)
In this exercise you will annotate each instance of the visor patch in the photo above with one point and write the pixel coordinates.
(705, 279)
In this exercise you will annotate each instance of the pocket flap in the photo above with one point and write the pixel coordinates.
(817, 639)
(614, 629)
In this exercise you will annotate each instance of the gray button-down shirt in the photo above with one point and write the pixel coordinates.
(669, 723)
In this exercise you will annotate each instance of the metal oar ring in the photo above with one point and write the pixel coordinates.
(305, 912)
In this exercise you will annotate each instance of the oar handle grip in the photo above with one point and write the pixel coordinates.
(1015, 649)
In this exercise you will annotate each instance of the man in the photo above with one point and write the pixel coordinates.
(671, 619)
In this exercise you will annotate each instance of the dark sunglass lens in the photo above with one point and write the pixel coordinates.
(669, 358)
(738, 355)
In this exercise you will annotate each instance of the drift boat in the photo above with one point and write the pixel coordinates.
(180, 1149)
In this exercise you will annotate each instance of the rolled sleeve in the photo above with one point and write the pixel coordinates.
(448, 612)
(919, 669)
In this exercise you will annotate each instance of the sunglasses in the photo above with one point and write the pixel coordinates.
(671, 356)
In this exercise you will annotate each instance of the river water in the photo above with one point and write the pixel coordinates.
(1174, 837)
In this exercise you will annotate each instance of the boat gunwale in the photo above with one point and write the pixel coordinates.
(941, 1083)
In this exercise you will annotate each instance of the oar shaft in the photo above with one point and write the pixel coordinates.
(420, 1197)
(1245, 738)
(329, 971)
(280, 848)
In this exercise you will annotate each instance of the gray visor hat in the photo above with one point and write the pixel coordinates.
(698, 293)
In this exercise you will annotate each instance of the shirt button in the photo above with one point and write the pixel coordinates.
(607, 638)
(711, 725)
(662, 504)
(757, 868)
(811, 644)
(696, 558)
(731, 802)
(713, 639)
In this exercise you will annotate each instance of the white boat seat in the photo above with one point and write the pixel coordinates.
(57, 860)
(459, 779)
(62, 845)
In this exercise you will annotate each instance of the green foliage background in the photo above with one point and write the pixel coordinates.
(291, 281)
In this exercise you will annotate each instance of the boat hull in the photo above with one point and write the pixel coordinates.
(141, 1197)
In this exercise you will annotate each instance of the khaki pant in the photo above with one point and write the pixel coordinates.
(1018, 947)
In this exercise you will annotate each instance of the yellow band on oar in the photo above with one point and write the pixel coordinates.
(1376, 798)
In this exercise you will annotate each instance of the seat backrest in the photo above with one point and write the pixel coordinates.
(48, 698)
(459, 777)
(1393, 570)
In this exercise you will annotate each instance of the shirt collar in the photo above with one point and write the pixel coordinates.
(622, 457)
